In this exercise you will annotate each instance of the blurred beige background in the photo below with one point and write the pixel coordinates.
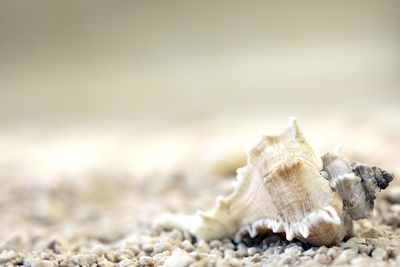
(141, 61)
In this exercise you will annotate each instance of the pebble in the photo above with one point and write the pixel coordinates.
(162, 246)
(229, 245)
(256, 258)
(322, 258)
(345, 257)
(370, 233)
(379, 254)
(179, 258)
(186, 245)
(217, 252)
(216, 244)
(311, 252)
(366, 249)
(229, 253)
(393, 194)
(58, 244)
(393, 219)
(79, 259)
(99, 250)
(304, 258)
(148, 248)
(296, 250)
(361, 261)
(286, 259)
(176, 235)
(322, 250)
(351, 244)
(202, 246)
(252, 251)
(7, 255)
(160, 258)
(333, 252)
(146, 261)
(124, 263)
(223, 263)
(47, 263)
(105, 263)
(111, 256)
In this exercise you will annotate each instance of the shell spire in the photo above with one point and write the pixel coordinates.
(357, 184)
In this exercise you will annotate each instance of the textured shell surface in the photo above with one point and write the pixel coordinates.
(286, 188)
(280, 190)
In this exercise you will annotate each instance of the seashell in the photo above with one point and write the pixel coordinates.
(357, 184)
(286, 188)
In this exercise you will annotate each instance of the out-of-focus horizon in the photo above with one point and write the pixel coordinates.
(137, 61)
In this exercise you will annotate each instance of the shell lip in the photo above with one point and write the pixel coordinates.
(295, 229)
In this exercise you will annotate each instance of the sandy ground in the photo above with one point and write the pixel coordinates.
(91, 195)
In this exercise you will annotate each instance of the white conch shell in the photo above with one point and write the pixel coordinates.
(286, 188)
(280, 190)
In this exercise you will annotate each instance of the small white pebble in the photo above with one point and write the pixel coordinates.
(322, 250)
(79, 259)
(148, 247)
(179, 258)
(99, 250)
(293, 250)
(161, 247)
(186, 245)
(110, 255)
(7, 255)
(202, 246)
(379, 254)
(345, 257)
